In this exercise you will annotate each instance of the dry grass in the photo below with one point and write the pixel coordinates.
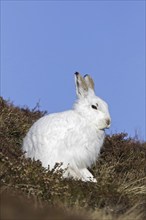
(29, 192)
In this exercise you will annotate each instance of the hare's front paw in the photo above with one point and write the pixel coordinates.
(93, 180)
(87, 176)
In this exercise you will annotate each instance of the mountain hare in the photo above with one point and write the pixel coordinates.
(74, 137)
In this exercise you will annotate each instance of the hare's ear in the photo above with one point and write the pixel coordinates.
(81, 86)
(90, 83)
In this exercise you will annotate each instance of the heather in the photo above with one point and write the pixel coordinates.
(28, 191)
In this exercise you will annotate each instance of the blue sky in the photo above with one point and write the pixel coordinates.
(44, 42)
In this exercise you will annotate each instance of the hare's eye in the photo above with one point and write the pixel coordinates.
(94, 107)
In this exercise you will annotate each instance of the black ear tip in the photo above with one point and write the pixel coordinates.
(86, 75)
(76, 73)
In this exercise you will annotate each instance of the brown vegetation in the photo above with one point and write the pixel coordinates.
(28, 191)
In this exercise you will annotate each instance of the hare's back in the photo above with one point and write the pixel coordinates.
(45, 139)
(54, 123)
(49, 129)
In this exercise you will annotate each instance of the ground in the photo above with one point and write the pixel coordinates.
(30, 191)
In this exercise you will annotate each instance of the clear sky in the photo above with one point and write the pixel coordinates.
(44, 42)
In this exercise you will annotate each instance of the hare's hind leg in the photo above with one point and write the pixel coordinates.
(87, 176)
(72, 173)
(79, 174)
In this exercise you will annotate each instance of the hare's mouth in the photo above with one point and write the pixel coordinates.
(103, 129)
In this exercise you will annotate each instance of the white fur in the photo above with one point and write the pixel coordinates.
(73, 137)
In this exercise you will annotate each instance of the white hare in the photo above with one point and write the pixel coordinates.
(72, 138)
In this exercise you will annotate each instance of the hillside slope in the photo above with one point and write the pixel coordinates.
(27, 190)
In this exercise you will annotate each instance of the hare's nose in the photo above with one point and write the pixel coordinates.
(108, 121)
